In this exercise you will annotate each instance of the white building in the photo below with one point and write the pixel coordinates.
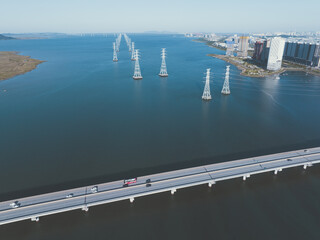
(276, 53)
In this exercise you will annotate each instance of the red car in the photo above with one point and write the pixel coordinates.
(127, 182)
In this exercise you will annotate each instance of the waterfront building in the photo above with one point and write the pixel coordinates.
(302, 53)
(258, 49)
(230, 48)
(243, 46)
(276, 53)
(262, 57)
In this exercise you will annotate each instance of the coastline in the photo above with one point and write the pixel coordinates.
(253, 70)
(247, 69)
(13, 64)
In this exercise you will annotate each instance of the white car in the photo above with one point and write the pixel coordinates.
(15, 204)
(69, 195)
(94, 189)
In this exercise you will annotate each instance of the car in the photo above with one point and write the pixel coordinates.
(148, 180)
(148, 185)
(129, 181)
(94, 189)
(289, 159)
(69, 195)
(15, 204)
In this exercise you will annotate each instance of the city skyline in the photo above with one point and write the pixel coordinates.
(142, 15)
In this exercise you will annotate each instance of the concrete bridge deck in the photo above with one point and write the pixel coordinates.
(41, 205)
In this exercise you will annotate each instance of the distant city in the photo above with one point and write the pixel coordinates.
(269, 49)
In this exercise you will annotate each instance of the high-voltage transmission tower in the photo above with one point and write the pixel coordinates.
(128, 41)
(118, 41)
(129, 44)
(163, 69)
(226, 88)
(137, 71)
(206, 92)
(115, 57)
(133, 52)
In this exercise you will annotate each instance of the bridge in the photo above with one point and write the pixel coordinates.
(34, 207)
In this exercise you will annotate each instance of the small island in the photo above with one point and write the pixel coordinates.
(13, 64)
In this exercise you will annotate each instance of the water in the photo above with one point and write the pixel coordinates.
(80, 118)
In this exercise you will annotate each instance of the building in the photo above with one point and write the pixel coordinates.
(258, 49)
(243, 46)
(276, 53)
(302, 53)
(230, 48)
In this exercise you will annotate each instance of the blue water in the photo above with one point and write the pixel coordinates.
(80, 118)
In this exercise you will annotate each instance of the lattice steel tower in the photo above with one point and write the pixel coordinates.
(115, 57)
(137, 71)
(163, 69)
(206, 92)
(133, 52)
(226, 88)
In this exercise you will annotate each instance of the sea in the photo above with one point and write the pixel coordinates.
(79, 118)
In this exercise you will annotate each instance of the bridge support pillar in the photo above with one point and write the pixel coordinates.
(85, 208)
(245, 177)
(173, 191)
(131, 199)
(35, 219)
(211, 183)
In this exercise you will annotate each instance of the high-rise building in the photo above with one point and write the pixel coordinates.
(276, 54)
(230, 48)
(258, 49)
(265, 52)
(243, 46)
(302, 53)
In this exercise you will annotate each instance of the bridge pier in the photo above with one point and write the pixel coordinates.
(277, 170)
(211, 183)
(85, 208)
(173, 191)
(245, 177)
(131, 199)
(35, 219)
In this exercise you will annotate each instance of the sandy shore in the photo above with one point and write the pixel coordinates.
(12, 64)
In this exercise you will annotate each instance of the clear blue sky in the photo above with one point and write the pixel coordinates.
(72, 16)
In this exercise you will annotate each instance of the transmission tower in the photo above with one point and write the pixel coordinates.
(118, 41)
(163, 69)
(115, 57)
(226, 88)
(133, 52)
(137, 72)
(206, 92)
(129, 44)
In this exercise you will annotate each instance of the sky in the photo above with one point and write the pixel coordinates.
(223, 16)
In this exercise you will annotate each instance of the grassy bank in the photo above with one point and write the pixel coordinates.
(12, 64)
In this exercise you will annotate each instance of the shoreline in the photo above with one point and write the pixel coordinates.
(253, 70)
(247, 69)
(12, 64)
